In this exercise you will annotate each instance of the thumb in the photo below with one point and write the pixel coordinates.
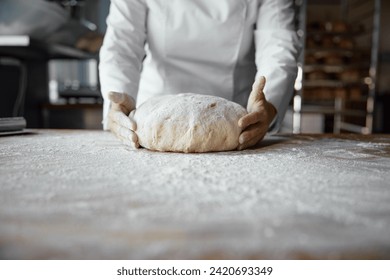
(122, 99)
(257, 94)
(259, 84)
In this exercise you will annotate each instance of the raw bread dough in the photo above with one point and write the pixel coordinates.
(188, 122)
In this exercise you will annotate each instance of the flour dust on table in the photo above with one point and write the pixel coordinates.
(188, 122)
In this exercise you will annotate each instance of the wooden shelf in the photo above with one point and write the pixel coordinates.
(309, 100)
(322, 51)
(353, 33)
(335, 68)
(331, 111)
(331, 83)
(385, 57)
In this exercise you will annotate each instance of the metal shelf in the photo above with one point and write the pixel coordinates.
(368, 62)
(24, 47)
(354, 128)
(32, 57)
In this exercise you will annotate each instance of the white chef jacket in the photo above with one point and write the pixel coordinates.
(215, 47)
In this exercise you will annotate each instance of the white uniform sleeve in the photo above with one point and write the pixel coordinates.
(123, 50)
(277, 47)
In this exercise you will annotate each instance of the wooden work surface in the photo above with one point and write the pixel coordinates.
(82, 194)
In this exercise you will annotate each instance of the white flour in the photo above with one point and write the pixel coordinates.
(81, 194)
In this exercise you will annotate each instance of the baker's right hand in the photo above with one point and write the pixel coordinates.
(121, 118)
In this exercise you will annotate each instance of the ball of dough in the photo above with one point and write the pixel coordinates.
(189, 123)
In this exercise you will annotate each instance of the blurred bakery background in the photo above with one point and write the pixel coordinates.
(48, 62)
(49, 57)
(343, 84)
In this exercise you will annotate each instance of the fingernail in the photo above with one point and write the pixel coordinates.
(133, 138)
(116, 97)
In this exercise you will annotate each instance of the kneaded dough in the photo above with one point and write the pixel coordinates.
(189, 123)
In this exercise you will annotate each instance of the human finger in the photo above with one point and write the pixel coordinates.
(122, 131)
(257, 89)
(123, 120)
(259, 84)
(126, 135)
(249, 119)
(125, 141)
(256, 96)
(251, 132)
(119, 108)
(122, 99)
(132, 113)
(251, 136)
(247, 144)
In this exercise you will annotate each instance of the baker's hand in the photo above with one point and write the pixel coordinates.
(120, 118)
(260, 115)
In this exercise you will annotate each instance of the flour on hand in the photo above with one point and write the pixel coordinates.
(190, 123)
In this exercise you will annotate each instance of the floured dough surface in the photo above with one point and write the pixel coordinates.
(190, 123)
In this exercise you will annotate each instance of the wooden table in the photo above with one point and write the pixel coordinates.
(82, 194)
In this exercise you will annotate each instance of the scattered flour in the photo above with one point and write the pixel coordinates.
(82, 194)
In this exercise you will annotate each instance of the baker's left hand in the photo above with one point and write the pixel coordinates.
(260, 115)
